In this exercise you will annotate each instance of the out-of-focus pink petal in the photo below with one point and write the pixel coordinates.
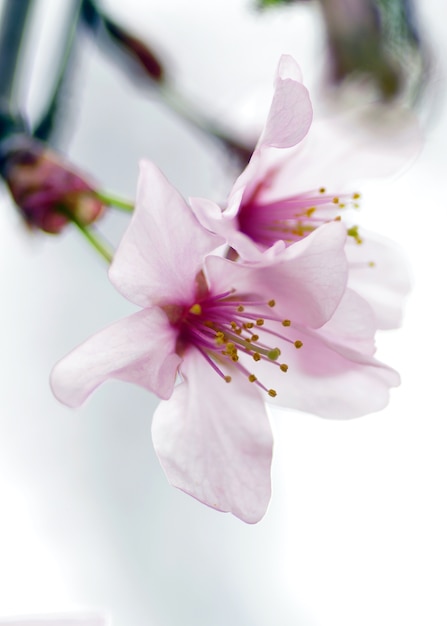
(163, 247)
(379, 272)
(307, 280)
(214, 440)
(290, 114)
(353, 324)
(342, 150)
(139, 349)
(329, 379)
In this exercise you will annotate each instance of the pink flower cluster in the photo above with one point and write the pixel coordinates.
(287, 316)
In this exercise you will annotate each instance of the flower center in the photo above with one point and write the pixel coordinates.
(233, 333)
(295, 217)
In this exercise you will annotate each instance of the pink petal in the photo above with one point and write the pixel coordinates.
(341, 150)
(211, 217)
(214, 441)
(290, 113)
(163, 247)
(138, 349)
(329, 379)
(353, 324)
(288, 122)
(307, 280)
(379, 272)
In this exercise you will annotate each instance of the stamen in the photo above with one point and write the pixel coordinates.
(354, 233)
(298, 344)
(222, 330)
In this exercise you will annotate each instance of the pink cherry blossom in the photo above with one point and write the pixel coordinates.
(283, 329)
(285, 194)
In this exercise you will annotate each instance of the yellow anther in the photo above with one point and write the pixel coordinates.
(240, 308)
(371, 264)
(286, 322)
(196, 309)
(254, 338)
(272, 393)
(256, 356)
(234, 357)
(355, 196)
(322, 190)
(335, 200)
(283, 367)
(227, 379)
(260, 322)
(271, 303)
(298, 344)
(252, 378)
(311, 211)
(233, 325)
(342, 205)
(248, 325)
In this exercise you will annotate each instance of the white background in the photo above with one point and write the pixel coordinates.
(356, 531)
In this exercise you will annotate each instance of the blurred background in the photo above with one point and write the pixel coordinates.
(355, 533)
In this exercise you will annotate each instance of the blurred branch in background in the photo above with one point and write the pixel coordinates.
(376, 41)
(12, 26)
(142, 64)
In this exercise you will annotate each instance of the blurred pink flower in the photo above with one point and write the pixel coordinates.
(47, 190)
(283, 329)
(285, 194)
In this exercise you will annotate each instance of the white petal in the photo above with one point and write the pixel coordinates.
(163, 247)
(138, 349)
(214, 441)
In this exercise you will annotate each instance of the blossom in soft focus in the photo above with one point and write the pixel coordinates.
(283, 329)
(48, 191)
(290, 188)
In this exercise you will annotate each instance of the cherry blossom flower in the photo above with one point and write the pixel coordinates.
(283, 329)
(285, 194)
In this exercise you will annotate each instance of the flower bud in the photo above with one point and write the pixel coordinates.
(48, 191)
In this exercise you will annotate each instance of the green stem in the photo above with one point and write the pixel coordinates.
(94, 240)
(109, 200)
